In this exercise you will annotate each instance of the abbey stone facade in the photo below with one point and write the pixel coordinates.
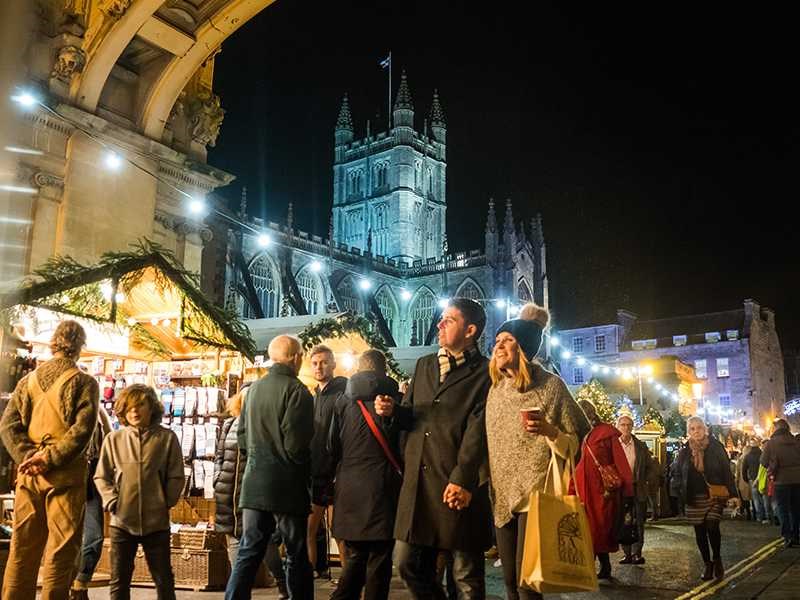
(386, 255)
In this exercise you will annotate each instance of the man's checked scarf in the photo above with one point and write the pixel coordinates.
(450, 362)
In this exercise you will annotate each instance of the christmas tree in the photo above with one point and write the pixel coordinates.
(653, 415)
(594, 392)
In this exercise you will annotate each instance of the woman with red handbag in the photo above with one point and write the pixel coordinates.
(602, 479)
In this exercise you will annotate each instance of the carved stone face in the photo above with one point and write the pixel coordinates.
(71, 60)
(115, 8)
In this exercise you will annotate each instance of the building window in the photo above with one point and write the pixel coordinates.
(722, 367)
(381, 175)
(387, 307)
(309, 287)
(577, 345)
(725, 410)
(644, 344)
(600, 343)
(712, 337)
(678, 340)
(524, 292)
(732, 334)
(700, 369)
(266, 290)
(577, 375)
(422, 313)
(349, 297)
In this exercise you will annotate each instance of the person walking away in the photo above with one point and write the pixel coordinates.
(140, 477)
(530, 415)
(228, 470)
(92, 544)
(46, 428)
(743, 486)
(444, 499)
(275, 431)
(702, 479)
(644, 469)
(601, 449)
(328, 390)
(761, 505)
(782, 458)
(364, 455)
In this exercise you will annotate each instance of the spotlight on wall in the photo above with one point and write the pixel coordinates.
(264, 240)
(405, 294)
(500, 303)
(444, 303)
(196, 206)
(315, 266)
(113, 161)
(25, 99)
(365, 284)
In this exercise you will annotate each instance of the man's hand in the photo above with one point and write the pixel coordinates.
(384, 406)
(456, 497)
(34, 465)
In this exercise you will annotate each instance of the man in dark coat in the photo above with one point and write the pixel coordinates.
(328, 390)
(645, 469)
(367, 483)
(444, 500)
(275, 431)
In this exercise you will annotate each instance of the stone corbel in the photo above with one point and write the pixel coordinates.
(70, 60)
(184, 227)
(114, 8)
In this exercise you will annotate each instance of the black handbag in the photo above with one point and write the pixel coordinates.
(629, 528)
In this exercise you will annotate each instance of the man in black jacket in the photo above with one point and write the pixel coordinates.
(275, 430)
(367, 483)
(444, 500)
(762, 505)
(328, 390)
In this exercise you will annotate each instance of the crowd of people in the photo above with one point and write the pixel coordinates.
(425, 480)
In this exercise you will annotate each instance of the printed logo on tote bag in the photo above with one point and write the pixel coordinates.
(570, 540)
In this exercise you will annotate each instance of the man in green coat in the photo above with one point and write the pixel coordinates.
(275, 431)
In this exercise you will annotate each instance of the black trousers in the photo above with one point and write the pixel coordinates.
(417, 566)
(157, 555)
(368, 567)
(510, 543)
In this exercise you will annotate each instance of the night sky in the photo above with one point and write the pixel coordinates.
(658, 146)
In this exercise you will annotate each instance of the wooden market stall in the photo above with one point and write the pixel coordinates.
(148, 322)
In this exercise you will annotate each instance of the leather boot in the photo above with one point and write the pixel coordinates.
(708, 574)
(719, 570)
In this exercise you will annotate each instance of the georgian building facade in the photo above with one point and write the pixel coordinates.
(386, 255)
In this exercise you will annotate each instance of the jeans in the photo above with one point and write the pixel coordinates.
(761, 504)
(257, 528)
(417, 567)
(510, 544)
(640, 513)
(270, 560)
(92, 544)
(788, 497)
(157, 555)
(368, 567)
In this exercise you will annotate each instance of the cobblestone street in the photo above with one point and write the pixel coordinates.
(672, 569)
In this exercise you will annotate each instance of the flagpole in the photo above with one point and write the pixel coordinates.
(390, 91)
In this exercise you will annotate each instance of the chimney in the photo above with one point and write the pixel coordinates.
(626, 319)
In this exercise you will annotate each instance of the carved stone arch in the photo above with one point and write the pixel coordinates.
(348, 296)
(465, 290)
(266, 277)
(524, 292)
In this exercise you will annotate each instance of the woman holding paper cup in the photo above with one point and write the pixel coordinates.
(530, 416)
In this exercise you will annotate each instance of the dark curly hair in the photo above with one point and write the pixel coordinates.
(69, 338)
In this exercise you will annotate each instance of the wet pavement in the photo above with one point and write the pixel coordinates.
(672, 569)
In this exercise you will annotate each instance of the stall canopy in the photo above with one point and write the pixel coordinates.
(145, 292)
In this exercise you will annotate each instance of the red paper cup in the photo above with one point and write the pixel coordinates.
(529, 414)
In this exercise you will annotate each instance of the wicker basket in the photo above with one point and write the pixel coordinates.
(198, 539)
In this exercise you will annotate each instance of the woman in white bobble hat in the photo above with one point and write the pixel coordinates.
(520, 443)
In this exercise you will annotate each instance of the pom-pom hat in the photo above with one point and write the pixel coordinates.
(527, 328)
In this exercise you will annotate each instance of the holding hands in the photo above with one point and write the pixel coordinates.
(456, 497)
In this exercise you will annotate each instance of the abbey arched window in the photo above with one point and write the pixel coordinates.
(469, 290)
(381, 175)
(388, 307)
(524, 291)
(429, 178)
(349, 296)
(311, 291)
(417, 175)
(422, 313)
(264, 278)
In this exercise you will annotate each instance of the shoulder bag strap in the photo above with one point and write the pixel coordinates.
(379, 438)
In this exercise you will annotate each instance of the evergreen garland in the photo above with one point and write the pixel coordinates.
(653, 415)
(344, 325)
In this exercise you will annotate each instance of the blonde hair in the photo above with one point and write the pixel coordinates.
(68, 338)
(522, 380)
(236, 402)
(134, 394)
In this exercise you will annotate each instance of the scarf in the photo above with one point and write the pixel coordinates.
(698, 451)
(450, 362)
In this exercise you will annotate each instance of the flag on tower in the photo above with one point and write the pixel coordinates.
(386, 62)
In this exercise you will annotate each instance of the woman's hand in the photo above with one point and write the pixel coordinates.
(541, 426)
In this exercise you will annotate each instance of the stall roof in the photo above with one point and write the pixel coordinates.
(263, 331)
(147, 285)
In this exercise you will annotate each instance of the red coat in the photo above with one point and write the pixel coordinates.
(604, 512)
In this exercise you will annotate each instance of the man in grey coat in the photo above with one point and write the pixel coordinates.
(275, 431)
(444, 500)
